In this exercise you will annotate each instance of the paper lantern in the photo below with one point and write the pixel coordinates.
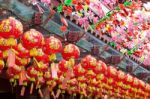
(135, 82)
(63, 66)
(70, 51)
(111, 72)
(128, 81)
(11, 28)
(141, 84)
(52, 46)
(79, 70)
(89, 62)
(100, 67)
(32, 40)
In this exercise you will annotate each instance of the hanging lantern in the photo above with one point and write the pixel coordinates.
(128, 81)
(71, 51)
(32, 40)
(112, 75)
(79, 70)
(120, 78)
(135, 82)
(89, 62)
(63, 66)
(11, 28)
(100, 67)
(32, 73)
(51, 47)
(141, 84)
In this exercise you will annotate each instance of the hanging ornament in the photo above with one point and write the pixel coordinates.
(89, 62)
(11, 28)
(32, 74)
(71, 52)
(51, 47)
(32, 40)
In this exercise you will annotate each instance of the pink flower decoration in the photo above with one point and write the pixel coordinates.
(95, 20)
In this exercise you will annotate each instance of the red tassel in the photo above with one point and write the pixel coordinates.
(63, 28)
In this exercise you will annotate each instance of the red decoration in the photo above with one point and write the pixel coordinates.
(89, 62)
(63, 66)
(70, 51)
(79, 70)
(11, 28)
(32, 39)
(52, 45)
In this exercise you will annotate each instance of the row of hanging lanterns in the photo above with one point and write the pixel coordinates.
(31, 60)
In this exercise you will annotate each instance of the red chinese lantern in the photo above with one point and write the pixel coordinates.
(89, 62)
(100, 67)
(147, 90)
(63, 66)
(32, 73)
(11, 28)
(135, 82)
(141, 84)
(52, 46)
(71, 52)
(32, 40)
(79, 70)
(112, 75)
(128, 81)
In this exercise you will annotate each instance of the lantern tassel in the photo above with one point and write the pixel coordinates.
(40, 93)
(31, 88)
(23, 91)
(81, 96)
(15, 83)
(37, 85)
(58, 93)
